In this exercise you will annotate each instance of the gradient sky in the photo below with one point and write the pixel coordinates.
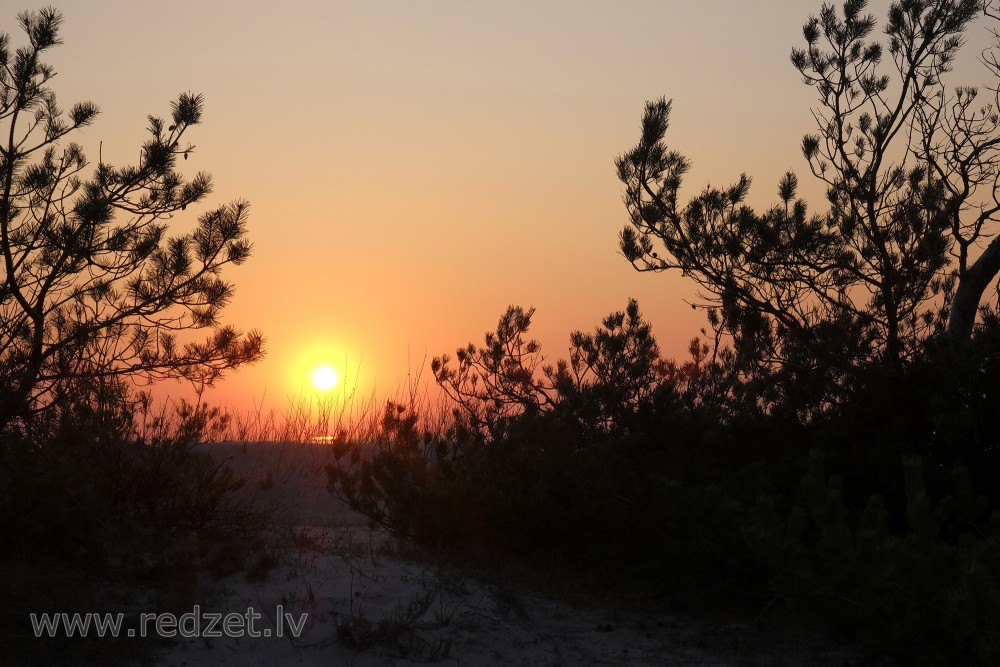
(415, 167)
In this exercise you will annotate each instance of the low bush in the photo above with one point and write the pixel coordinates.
(876, 511)
(97, 495)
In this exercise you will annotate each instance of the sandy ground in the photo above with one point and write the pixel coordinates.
(360, 603)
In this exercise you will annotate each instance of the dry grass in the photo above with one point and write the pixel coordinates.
(338, 417)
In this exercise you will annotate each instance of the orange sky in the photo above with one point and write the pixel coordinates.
(415, 167)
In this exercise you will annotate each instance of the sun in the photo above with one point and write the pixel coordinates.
(324, 378)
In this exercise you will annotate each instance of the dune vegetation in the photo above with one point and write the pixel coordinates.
(828, 448)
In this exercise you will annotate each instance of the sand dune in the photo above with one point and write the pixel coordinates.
(362, 603)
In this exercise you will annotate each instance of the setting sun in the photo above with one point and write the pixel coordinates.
(324, 378)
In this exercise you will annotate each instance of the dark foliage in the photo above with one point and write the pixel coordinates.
(102, 497)
(879, 514)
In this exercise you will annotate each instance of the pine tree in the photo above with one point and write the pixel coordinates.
(92, 287)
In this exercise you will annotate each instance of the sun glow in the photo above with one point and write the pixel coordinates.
(324, 378)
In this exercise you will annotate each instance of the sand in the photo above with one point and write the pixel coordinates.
(361, 602)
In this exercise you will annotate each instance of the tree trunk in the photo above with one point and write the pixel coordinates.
(971, 286)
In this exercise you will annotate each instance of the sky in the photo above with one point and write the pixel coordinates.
(416, 167)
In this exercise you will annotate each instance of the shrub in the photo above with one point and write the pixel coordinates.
(92, 480)
(926, 595)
